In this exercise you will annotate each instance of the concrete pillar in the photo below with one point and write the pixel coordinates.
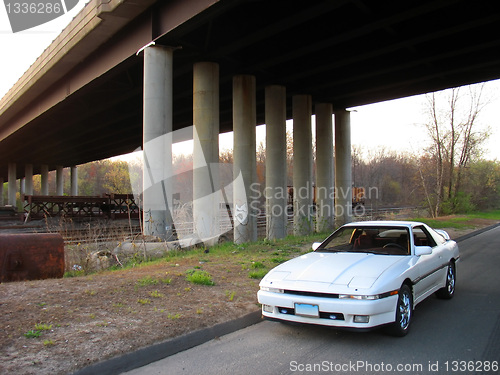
(343, 178)
(206, 189)
(44, 171)
(157, 138)
(59, 180)
(244, 158)
(74, 181)
(303, 189)
(28, 179)
(276, 190)
(1, 191)
(12, 186)
(324, 168)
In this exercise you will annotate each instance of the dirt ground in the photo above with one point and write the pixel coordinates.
(83, 320)
(86, 319)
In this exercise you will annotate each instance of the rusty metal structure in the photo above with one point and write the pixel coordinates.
(33, 256)
(113, 206)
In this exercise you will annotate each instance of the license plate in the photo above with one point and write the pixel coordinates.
(307, 310)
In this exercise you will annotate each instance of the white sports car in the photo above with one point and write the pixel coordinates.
(364, 275)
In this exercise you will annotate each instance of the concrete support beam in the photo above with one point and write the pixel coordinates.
(343, 174)
(324, 168)
(28, 179)
(59, 180)
(302, 165)
(44, 172)
(12, 186)
(244, 158)
(206, 189)
(74, 181)
(276, 166)
(1, 191)
(157, 138)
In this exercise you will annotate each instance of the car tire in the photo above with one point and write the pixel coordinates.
(404, 312)
(451, 278)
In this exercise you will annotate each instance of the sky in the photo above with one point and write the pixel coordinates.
(394, 125)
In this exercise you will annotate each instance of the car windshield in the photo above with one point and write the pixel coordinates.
(363, 239)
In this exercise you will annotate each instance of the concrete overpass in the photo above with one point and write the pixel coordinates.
(83, 99)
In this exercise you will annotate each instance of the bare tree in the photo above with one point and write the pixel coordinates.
(455, 138)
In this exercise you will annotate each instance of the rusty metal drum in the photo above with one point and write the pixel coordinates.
(33, 256)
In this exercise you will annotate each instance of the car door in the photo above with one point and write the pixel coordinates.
(430, 266)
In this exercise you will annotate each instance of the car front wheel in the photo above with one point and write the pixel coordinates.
(404, 312)
(449, 289)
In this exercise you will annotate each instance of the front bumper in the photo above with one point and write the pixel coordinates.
(333, 311)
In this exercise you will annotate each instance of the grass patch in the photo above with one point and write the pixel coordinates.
(257, 274)
(43, 327)
(147, 280)
(156, 294)
(199, 277)
(255, 256)
(31, 334)
(490, 215)
(459, 222)
(257, 265)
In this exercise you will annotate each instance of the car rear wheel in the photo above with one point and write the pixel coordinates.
(404, 312)
(449, 289)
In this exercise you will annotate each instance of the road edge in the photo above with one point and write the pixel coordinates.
(153, 353)
(475, 233)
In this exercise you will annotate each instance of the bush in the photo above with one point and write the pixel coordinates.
(461, 203)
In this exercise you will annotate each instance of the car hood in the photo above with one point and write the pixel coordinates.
(356, 270)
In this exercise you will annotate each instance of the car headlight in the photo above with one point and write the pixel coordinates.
(271, 290)
(368, 297)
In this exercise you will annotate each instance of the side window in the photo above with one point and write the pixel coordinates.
(423, 238)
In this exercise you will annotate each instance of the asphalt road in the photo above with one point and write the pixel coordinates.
(459, 336)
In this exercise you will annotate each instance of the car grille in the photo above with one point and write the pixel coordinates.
(311, 294)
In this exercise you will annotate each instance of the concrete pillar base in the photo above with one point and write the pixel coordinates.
(276, 168)
(157, 142)
(244, 158)
(206, 186)
(343, 174)
(303, 189)
(324, 168)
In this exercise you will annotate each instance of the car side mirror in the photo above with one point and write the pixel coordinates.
(423, 250)
(315, 245)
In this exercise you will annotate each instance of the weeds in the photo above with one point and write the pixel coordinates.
(156, 294)
(147, 280)
(37, 332)
(230, 295)
(48, 343)
(199, 277)
(43, 327)
(31, 334)
(258, 274)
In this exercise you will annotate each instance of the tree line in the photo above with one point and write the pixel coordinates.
(448, 176)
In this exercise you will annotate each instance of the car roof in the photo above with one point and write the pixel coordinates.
(385, 223)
